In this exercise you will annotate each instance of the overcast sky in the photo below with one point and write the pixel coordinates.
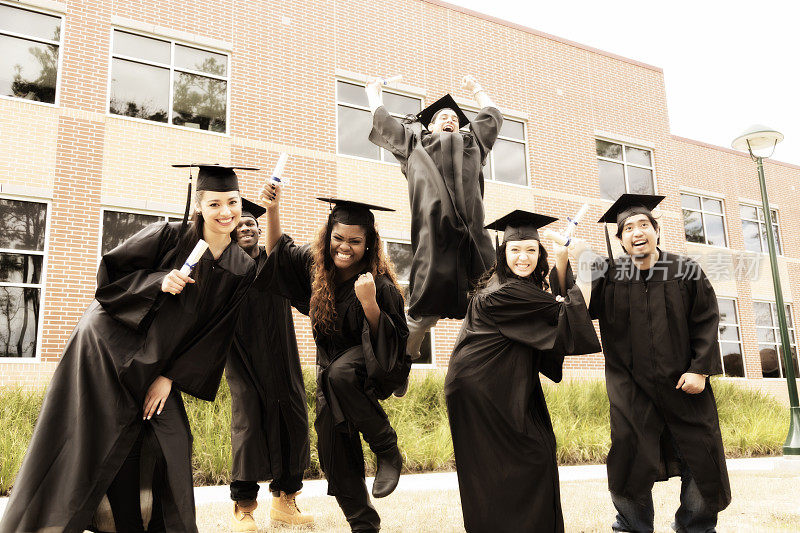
(727, 64)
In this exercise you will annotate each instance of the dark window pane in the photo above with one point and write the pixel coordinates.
(748, 212)
(640, 180)
(774, 215)
(119, 226)
(513, 129)
(750, 233)
(509, 162)
(425, 351)
(470, 114)
(612, 179)
(399, 104)
(732, 359)
(765, 334)
(199, 102)
(28, 69)
(352, 94)
(22, 224)
(354, 128)
(762, 313)
(609, 150)
(141, 47)
(715, 230)
(20, 268)
(728, 333)
(19, 320)
(400, 254)
(690, 202)
(777, 239)
(713, 206)
(693, 226)
(140, 91)
(638, 156)
(29, 23)
(727, 311)
(769, 361)
(201, 60)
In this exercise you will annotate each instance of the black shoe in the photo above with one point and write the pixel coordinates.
(388, 475)
(401, 391)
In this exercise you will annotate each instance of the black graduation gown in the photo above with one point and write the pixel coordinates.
(129, 335)
(503, 439)
(655, 326)
(266, 382)
(387, 364)
(445, 189)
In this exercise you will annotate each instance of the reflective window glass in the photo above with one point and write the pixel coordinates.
(139, 90)
(199, 102)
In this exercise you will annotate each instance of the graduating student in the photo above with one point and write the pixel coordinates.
(347, 286)
(443, 166)
(114, 402)
(269, 427)
(658, 323)
(504, 444)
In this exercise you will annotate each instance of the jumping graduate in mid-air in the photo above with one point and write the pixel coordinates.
(443, 165)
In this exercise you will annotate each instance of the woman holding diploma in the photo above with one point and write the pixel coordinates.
(113, 413)
(503, 439)
(347, 286)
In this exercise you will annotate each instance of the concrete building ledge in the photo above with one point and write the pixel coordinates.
(49, 5)
(28, 192)
(163, 31)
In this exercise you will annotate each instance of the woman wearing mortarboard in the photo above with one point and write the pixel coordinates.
(113, 415)
(503, 439)
(348, 288)
(444, 169)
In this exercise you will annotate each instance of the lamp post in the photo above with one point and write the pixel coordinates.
(763, 138)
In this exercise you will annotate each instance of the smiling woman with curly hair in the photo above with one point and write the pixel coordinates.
(348, 288)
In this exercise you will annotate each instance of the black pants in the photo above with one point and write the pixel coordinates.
(123, 494)
(339, 444)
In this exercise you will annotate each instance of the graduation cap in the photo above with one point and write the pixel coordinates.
(210, 177)
(520, 225)
(445, 102)
(350, 212)
(251, 209)
(626, 206)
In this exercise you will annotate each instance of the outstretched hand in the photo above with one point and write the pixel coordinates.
(470, 83)
(270, 195)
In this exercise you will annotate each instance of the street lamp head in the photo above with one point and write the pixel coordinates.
(757, 137)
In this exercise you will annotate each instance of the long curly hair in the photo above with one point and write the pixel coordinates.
(500, 267)
(323, 284)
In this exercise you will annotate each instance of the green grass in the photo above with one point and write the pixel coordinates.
(752, 425)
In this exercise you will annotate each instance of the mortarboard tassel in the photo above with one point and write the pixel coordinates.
(608, 245)
(188, 204)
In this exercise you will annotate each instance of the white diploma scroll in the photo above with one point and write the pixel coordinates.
(393, 79)
(573, 223)
(277, 172)
(199, 249)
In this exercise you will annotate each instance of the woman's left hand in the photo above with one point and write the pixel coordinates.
(365, 289)
(157, 395)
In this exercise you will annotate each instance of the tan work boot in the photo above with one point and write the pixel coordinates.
(284, 510)
(243, 516)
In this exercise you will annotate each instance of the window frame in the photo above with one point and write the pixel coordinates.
(740, 342)
(776, 330)
(60, 44)
(42, 286)
(136, 211)
(432, 364)
(625, 163)
(172, 69)
(703, 212)
(337, 103)
(776, 224)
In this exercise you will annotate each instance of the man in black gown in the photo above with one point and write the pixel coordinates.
(269, 426)
(658, 323)
(443, 166)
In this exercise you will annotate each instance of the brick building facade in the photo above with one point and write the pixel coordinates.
(100, 98)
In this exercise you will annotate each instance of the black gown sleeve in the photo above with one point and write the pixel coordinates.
(287, 272)
(703, 327)
(387, 362)
(485, 127)
(129, 277)
(391, 134)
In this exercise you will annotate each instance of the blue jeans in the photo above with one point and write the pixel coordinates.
(693, 516)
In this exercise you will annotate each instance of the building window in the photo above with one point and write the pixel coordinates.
(23, 227)
(164, 81)
(400, 254)
(769, 339)
(754, 229)
(730, 341)
(119, 226)
(354, 119)
(703, 220)
(507, 162)
(29, 43)
(624, 169)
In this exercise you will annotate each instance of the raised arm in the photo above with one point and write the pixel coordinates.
(270, 197)
(481, 96)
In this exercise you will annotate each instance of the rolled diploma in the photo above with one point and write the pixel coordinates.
(277, 172)
(387, 81)
(574, 221)
(199, 249)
